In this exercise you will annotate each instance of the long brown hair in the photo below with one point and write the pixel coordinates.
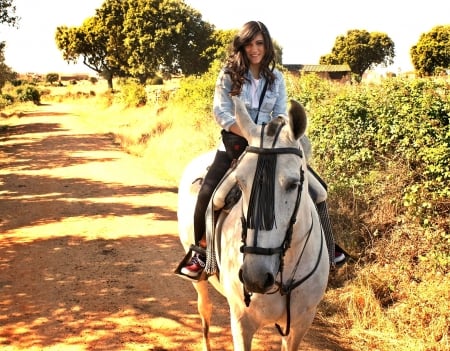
(238, 64)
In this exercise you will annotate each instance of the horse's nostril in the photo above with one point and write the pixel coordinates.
(270, 280)
(261, 284)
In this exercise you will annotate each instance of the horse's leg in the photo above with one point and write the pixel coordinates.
(243, 327)
(204, 307)
(297, 332)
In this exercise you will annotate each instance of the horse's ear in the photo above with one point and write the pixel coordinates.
(243, 119)
(297, 119)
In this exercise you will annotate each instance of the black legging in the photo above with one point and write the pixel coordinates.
(217, 170)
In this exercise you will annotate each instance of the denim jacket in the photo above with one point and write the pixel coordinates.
(273, 105)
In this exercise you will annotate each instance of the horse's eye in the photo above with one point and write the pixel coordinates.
(292, 186)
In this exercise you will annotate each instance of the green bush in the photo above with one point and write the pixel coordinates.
(199, 91)
(30, 93)
(52, 77)
(132, 93)
(16, 82)
(414, 125)
(6, 100)
(389, 140)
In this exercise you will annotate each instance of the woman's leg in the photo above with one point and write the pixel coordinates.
(217, 170)
(318, 192)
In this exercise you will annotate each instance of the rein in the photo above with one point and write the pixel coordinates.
(286, 289)
(260, 215)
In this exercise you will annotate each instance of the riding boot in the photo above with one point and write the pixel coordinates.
(322, 210)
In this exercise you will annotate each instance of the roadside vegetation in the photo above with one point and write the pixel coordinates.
(383, 150)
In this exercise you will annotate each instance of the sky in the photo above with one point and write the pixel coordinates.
(305, 30)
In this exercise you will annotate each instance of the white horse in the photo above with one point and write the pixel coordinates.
(274, 264)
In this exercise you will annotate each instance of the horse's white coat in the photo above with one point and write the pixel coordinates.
(264, 308)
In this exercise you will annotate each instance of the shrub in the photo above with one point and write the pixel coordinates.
(132, 93)
(6, 100)
(384, 150)
(16, 82)
(52, 78)
(30, 93)
(361, 130)
(198, 91)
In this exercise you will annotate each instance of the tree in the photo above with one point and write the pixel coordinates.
(6, 73)
(7, 16)
(138, 38)
(222, 45)
(431, 54)
(98, 41)
(361, 50)
(166, 34)
(8, 13)
(52, 78)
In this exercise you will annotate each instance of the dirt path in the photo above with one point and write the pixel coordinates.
(88, 244)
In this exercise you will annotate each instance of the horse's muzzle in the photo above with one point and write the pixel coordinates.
(256, 279)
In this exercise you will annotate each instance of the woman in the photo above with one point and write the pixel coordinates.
(249, 73)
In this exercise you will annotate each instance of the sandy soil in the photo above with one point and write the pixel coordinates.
(88, 245)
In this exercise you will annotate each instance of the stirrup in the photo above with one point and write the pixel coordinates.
(186, 259)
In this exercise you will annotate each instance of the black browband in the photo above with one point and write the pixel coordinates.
(280, 150)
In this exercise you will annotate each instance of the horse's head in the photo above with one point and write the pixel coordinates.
(271, 175)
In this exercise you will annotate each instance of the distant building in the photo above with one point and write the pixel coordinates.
(332, 72)
(294, 69)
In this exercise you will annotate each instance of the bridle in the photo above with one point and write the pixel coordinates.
(258, 184)
(261, 219)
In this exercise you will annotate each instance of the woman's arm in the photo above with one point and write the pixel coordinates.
(223, 106)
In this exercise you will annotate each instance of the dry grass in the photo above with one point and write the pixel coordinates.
(396, 295)
(382, 308)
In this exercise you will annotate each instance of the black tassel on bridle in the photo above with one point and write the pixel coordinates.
(261, 210)
(261, 207)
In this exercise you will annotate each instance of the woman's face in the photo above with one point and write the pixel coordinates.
(255, 50)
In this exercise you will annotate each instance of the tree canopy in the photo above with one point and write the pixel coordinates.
(361, 50)
(8, 12)
(137, 38)
(431, 54)
(7, 16)
(6, 73)
(99, 48)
